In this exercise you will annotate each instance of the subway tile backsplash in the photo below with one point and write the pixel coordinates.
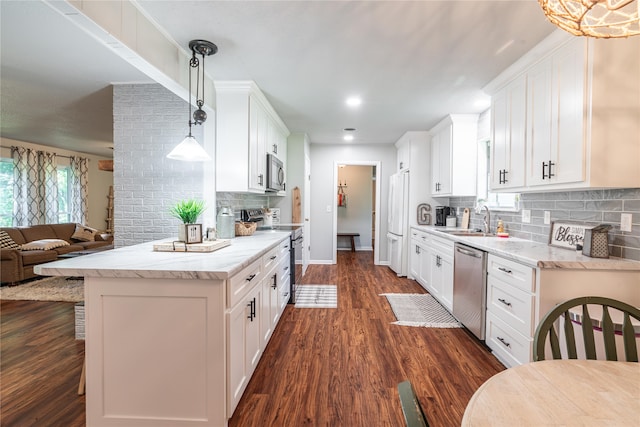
(589, 207)
(239, 201)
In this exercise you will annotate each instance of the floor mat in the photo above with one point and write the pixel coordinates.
(420, 310)
(317, 296)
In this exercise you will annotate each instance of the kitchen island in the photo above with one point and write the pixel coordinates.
(172, 338)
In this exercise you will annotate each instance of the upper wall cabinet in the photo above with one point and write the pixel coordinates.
(454, 149)
(247, 128)
(508, 117)
(580, 114)
(403, 146)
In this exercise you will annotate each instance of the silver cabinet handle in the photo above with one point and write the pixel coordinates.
(468, 252)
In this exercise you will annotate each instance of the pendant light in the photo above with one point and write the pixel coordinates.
(189, 150)
(594, 18)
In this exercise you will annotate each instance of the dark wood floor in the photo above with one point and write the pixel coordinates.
(323, 367)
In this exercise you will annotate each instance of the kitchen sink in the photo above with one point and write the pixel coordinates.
(471, 234)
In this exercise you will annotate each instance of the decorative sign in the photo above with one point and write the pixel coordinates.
(566, 235)
(424, 217)
(194, 233)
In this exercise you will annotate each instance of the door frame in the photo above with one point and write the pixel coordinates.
(376, 247)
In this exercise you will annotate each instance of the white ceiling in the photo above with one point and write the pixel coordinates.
(412, 62)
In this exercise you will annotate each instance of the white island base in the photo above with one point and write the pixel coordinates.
(153, 351)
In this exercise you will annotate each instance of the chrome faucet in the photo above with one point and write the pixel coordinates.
(487, 219)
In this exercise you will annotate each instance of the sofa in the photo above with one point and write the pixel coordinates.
(38, 244)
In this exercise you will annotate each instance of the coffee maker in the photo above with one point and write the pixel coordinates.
(442, 212)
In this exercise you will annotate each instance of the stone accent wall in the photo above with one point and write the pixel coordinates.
(149, 121)
(591, 207)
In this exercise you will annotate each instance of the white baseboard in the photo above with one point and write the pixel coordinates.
(321, 261)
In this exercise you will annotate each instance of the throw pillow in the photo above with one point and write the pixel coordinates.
(44, 245)
(84, 234)
(6, 242)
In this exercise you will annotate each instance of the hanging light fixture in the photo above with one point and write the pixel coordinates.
(189, 150)
(594, 18)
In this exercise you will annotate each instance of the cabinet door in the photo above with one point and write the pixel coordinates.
(237, 354)
(257, 151)
(404, 153)
(414, 261)
(508, 113)
(435, 164)
(425, 267)
(435, 284)
(441, 162)
(539, 123)
(269, 306)
(253, 323)
(446, 272)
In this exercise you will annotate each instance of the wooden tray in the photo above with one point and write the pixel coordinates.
(191, 247)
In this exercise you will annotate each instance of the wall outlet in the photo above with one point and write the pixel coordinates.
(625, 222)
(526, 216)
(547, 217)
(328, 208)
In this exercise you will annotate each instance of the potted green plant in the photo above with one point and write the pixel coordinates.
(188, 212)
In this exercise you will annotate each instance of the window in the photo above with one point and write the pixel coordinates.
(64, 194)
(6, 193)
(494, 201)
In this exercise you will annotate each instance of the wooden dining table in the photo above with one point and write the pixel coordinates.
(559, 392)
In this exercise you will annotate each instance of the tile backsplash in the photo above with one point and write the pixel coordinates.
(239, 201)
(590, 207)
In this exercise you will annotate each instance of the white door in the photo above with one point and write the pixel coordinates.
(306, 245)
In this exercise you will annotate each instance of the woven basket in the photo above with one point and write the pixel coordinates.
(245, 228)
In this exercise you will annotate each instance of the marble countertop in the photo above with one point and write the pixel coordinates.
(142, 261)
(534, 254)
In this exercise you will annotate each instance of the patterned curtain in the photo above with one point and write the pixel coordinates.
(79, 189)
(35, 187)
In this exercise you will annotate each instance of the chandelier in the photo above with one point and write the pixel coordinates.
(594, 18)
(189, 150)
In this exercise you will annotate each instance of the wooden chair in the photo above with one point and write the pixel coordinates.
(563, 315)
(413, 413)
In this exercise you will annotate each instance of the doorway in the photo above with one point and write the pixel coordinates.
(356, 201)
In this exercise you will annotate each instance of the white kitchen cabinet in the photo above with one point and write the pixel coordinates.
(419, 258)
(454, 156)
(510, 308)
(508, 116)
(582, 115)
(403, 146)
(244, 344)
(247, 128)
(555, 117)
(441, 260)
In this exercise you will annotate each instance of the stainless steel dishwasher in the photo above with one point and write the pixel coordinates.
(470, 288)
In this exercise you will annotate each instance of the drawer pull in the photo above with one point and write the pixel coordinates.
(505, 270)
(502, 340)
(286, 268)
(250, 278)
(505, 302)
(273, 257)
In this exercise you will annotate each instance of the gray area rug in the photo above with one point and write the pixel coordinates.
(47, 289)
(317, 296)
(420, 310)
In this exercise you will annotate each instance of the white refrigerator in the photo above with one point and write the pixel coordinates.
(397, 232)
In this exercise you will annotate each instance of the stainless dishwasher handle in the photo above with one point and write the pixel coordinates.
(467, 252)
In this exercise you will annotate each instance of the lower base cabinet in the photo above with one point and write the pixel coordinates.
(431, 265)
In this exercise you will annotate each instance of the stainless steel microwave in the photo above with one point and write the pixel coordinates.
(275, 174)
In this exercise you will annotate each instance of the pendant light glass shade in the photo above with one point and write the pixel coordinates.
(189, 151)
(594, 18)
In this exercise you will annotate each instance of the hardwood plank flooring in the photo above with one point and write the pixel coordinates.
(322, 367)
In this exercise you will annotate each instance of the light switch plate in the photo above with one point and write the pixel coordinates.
(625, 222)
(526, 216)
(547, 217)
(328, 208)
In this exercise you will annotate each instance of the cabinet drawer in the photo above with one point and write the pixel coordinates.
(243, 282)
(420, 236)
(442, 246)
(510, 346)
(511, 304)
(285, 247)
(511, 272)
(270, 259)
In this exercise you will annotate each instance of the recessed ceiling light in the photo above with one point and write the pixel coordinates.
(348, 137)
(354, 101)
